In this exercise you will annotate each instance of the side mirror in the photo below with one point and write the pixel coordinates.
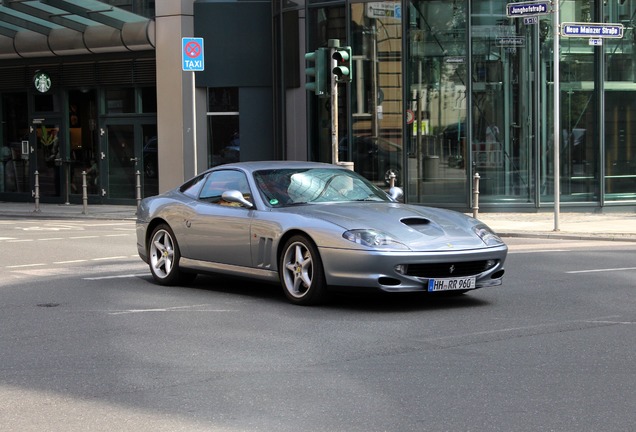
(396, 193)
(235, 196)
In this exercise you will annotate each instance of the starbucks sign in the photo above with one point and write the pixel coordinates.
(42, 82)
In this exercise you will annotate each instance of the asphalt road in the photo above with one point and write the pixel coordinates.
(88, 342)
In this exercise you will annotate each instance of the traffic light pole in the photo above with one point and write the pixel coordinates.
(333, 44)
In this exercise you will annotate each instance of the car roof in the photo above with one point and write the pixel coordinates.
(276, 164)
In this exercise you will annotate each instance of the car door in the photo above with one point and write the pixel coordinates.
(218, 231)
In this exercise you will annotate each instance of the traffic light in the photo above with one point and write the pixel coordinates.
(344, 67)
(318, 71)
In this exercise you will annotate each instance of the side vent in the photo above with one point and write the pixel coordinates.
(264, 259)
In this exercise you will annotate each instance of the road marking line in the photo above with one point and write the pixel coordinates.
(19, 241)
(70, 262)
(114, 277)
(25, 265)
(537, 251)
(601, 270)
(83, 237)
(173, 309)
(52, 238)
(116, 235)
(108, 258)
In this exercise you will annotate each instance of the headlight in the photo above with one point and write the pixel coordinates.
(487, 236)
(374, 239)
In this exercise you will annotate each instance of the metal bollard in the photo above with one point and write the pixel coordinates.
(138, 187)
(476, 195)
(36, 193)
(84, 194)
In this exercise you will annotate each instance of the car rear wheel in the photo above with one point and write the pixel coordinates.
(301, 272)
(164, 258)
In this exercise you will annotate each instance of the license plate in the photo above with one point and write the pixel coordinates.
(451, 284)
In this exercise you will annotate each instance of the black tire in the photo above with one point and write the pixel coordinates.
(301, 272)
(163, 258)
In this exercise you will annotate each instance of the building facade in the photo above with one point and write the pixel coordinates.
(441, 90)
(78, 94)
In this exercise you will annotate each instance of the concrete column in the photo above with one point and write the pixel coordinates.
(174, 20)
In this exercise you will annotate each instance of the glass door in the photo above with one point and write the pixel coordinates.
(122, 161)
(47, 157)
(129, 155)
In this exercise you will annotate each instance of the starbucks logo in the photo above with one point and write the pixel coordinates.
(42, 82)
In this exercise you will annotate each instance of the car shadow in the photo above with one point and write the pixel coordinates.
(338, 300)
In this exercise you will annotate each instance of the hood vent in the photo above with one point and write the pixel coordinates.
(424, 226)
(415, 222)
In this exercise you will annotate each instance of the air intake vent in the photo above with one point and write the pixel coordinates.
(415, 222)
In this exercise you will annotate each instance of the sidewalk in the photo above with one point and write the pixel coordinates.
(574, 225)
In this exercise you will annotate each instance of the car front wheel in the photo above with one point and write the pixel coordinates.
(164, 258)
(301, 272)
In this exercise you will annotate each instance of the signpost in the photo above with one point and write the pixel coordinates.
(529, 8)
(192, 61)
(595, 32)
(592, 30)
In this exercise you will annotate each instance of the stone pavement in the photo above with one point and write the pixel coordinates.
(619, 226)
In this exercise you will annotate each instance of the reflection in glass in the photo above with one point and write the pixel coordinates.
(437, 76)
(376, 147)
(121, 162)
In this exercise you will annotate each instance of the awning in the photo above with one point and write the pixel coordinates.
(41, 28)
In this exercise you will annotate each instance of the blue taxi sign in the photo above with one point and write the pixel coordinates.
(192, 54)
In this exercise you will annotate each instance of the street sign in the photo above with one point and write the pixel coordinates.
(192, 54)
(592, 30)
(530, 8)
(384, 10)
(512, 41)
(531, 20)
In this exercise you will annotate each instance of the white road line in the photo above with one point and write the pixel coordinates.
(82, 237)
(109, 258)
(601, 270)
(52, 238)
(537, 251)
(70, 262)
(20, 241)
(114, 277)
(26, 265)
(173, 309)
(116, 235)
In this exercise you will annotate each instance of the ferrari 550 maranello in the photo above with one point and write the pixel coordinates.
(312, 227)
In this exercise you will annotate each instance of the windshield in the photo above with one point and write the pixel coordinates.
(286, 187)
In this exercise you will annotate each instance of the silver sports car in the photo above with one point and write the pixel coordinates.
(312, 227)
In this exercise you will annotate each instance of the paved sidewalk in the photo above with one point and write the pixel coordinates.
(572, 225)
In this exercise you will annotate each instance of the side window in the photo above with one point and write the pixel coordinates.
(192, 187)
(220, 181)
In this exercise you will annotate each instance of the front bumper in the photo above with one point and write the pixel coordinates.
(378, 269)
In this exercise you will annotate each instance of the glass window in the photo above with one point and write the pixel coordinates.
(376, 137)
(504, 104)
(120, 100)
(436, 116)
(14, 165)
(193, 187)
(148, 100)
(223, 126)
(221, 181)
(620, 104)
